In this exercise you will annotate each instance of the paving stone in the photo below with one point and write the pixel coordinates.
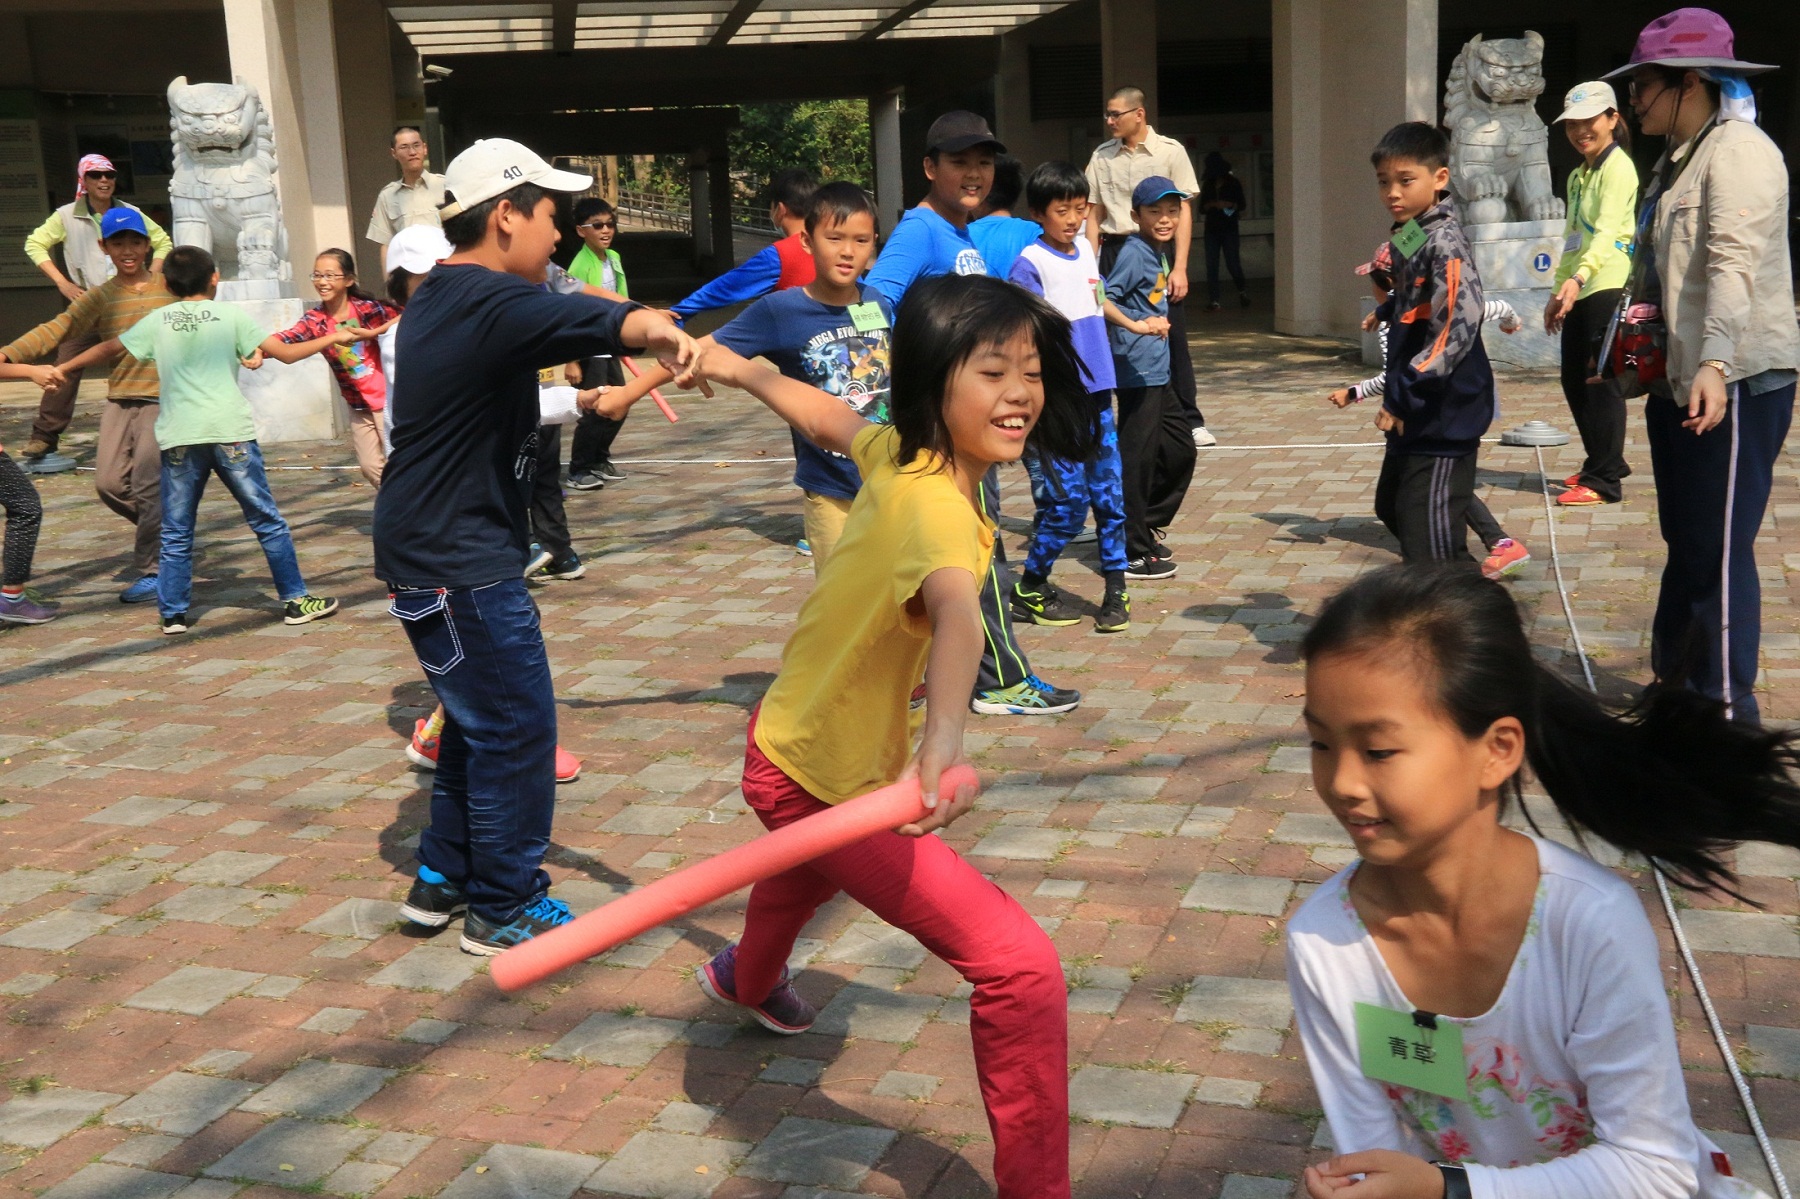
(1105, 787)
(276, 986)
(318, 1089)
(126, 876)
(793, 1071)
(180, 1104)
(23, 883)
(666, 1165)
(614, 1040)
(62, 929)
(1158, 818)
(1768, 861)
(1255, 1186)
(137, 811)
(1206, 822)
(218, 1061)
(682, 1116)
(146, 1150)
(26, 984)
(1095, 1000)
(1140, 1098)
(229, 868)
(1311, 828)
(871, 943)
(1246, 1002)
(1747, 1159)
(292, 1153)
(1265, 1042)
(1022, 844)
(821, 1192)
(237, 907)
(426, 1031)
(194, 990)
(651, 820)
(208, 1188)
(364, 919)
(394, 1148)
(1239, 893)
(1060, 888)
(334, 1020)
(1758, 934)
(1775, 1050)
(515, 1172)
(875, 1014)
(39, 1121)
(1227, 1092)
(818, 1152)
(359, 1178)
(428, 968)
(1291, 759)
(105, 1181)
(898, 1084)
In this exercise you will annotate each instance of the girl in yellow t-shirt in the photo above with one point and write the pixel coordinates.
(980, 368)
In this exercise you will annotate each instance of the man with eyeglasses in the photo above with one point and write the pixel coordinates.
(412, 199)
(76, 228)
(1134, 153)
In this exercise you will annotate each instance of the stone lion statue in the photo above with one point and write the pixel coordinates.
(1499, 147)
(223, 191)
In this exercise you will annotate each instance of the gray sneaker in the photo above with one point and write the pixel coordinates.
(587, 480)
(24, 610)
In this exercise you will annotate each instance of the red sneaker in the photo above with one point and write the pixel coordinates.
(568, 766)
(1505, 558)
(422, 752)
(1573, 480)
(1580, 497)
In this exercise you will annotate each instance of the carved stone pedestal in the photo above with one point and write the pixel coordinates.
(1517, 261)
(291, 403)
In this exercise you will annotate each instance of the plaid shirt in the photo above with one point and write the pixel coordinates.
(345, 361)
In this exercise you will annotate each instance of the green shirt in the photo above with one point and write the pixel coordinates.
(196, 345)
(587, 267)
(1602, 223)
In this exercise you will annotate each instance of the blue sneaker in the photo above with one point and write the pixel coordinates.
(1033, 697)
(433, 899)
(539, 916)
(783, 1011)
(140, 592)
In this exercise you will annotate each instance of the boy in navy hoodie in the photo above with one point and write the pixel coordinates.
(1440, 395)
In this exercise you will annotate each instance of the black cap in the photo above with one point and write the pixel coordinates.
(955, 132)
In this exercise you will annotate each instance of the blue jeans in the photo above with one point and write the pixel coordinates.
(1064, 491)
(494, 791)
(1711, 492)
(239, 465)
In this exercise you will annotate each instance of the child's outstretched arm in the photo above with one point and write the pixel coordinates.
(675, 349)
(953, 605)
(281, 351)
(824, 420)
(1150, 326)
(106, 351)
(46, 377)
(614, 402)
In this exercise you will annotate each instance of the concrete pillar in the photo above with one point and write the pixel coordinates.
(1012, 94)
(368, 94)
(1128, 49)
(724, 251)
(890, 172)
(1327, 218)
(700, 211)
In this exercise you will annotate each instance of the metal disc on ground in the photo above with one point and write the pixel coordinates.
(49, 464)
(1535, 432)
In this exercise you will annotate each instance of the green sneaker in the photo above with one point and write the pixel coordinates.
(1042, 604)
(309, 608)
(1115, 612)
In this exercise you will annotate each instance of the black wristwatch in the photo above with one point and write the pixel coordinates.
(1456, 1181)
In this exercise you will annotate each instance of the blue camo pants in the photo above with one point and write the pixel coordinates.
(1064, 492)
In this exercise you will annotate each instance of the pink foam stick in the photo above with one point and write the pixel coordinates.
(654, 394)
(694, 886)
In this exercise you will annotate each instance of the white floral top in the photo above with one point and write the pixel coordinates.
(1575, 1084)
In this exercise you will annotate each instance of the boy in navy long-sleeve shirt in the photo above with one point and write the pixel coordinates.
(1440, 395)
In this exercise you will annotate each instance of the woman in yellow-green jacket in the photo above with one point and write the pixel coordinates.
(1596, 259)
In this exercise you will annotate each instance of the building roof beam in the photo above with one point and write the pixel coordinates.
(734, 20)
(899, 17)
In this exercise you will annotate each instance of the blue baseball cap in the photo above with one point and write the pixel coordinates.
(120, 219)
(1153, 189)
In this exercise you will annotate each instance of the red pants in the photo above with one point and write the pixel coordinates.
(1019, 1013)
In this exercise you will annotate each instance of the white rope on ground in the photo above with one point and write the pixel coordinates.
(1745, 1099)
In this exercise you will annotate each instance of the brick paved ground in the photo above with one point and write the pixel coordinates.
(206, 992)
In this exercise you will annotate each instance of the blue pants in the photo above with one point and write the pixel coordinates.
(1064, 492)
(239, 465)
(1711, 492)
(494, 791)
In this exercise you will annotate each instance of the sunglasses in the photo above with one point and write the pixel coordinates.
(597, 225)
(102, 175)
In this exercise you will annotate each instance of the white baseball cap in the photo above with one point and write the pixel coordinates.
(418, 248)
(496, 165)
(1588, 100)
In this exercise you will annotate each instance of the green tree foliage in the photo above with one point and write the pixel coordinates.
(830, 138)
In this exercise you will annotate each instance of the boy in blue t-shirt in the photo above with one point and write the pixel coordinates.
(1156, 446)
(833, 333)
(933, 237)
(1060, 266)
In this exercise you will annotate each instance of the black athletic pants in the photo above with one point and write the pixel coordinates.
(1181, 358)
(1003, 660)
(1156, 460)
(1424, 502)
(549, 526)
(24, 514)
(593, 440)
(1599, 414)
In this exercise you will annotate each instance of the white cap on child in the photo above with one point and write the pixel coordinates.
(418, 248)
(496, 165)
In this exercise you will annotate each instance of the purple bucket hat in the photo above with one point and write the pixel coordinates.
(1694, 38)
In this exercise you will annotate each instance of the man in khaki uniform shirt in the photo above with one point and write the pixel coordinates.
(1133, 154)
(412, 199)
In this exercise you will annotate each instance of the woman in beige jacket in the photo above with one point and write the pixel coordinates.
(1715, 217)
